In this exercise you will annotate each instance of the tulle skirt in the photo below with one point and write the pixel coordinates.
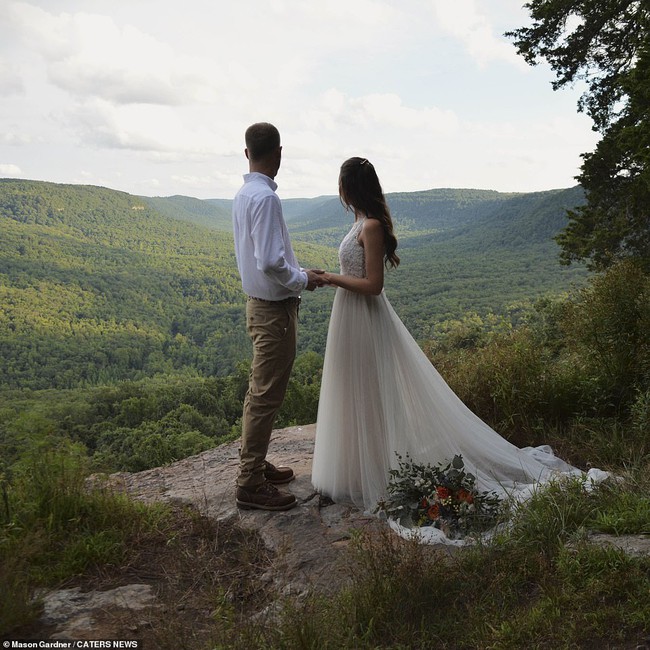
(381, 396)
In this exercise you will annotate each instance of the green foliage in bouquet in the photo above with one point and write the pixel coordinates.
(444, 496)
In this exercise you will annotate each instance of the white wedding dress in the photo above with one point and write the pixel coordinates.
(381, 396)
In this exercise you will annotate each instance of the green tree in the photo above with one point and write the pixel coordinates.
(607, 45)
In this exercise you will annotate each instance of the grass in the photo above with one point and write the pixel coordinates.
(57, 534)
(542, 584)
(570, 380)
(503, 596)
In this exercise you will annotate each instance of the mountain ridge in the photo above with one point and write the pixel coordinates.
(100, 285)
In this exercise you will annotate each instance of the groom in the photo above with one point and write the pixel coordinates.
(272, 280)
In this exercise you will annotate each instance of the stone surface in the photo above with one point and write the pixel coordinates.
(73, 612)
(307, 540)
(636, 545)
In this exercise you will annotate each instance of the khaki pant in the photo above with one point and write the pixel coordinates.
(273, 328)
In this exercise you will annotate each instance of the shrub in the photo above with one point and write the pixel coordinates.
(575, 375)
(541, 584)
(607, 325)
(53, 528)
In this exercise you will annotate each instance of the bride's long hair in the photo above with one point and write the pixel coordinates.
(360, 190)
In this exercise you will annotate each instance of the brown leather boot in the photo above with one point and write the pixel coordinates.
(278, 475)
(264, 497)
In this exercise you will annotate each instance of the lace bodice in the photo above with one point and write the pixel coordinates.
(352, 257)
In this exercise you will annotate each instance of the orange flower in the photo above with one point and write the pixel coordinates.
(465, 495)
(442, 492)
(433, 512)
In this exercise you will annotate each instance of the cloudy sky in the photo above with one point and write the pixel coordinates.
(153, 96)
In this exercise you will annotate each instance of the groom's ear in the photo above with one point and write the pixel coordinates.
(246, 154)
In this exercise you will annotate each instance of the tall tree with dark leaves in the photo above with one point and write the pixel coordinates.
(605, 43)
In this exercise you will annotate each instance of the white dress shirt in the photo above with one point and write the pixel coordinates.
(266, 261)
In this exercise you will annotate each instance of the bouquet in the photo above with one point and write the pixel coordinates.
(443, 496)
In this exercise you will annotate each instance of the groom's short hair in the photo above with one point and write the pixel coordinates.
(262, 139)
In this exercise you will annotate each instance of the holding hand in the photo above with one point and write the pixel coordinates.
(328, 279)
(315, 278)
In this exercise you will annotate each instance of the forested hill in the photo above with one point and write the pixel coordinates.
(462, 249)
(98, 285)
(213, 214)
(486, 252)
(419, 216)
(444, 214)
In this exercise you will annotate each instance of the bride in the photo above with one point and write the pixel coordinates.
(380, 394)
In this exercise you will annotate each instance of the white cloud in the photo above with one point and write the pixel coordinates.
(194, 181)
(153, 95)
(90, 55)
(335, 110)
(40, 30)
(162, 132)
(11, 82)
(463, 20)
(12, 137)
(388, 110)
(339, 22)
(7, 169)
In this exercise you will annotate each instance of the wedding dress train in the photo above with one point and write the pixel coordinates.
(381, 396)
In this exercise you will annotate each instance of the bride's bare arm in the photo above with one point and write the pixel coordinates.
(372, 240)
